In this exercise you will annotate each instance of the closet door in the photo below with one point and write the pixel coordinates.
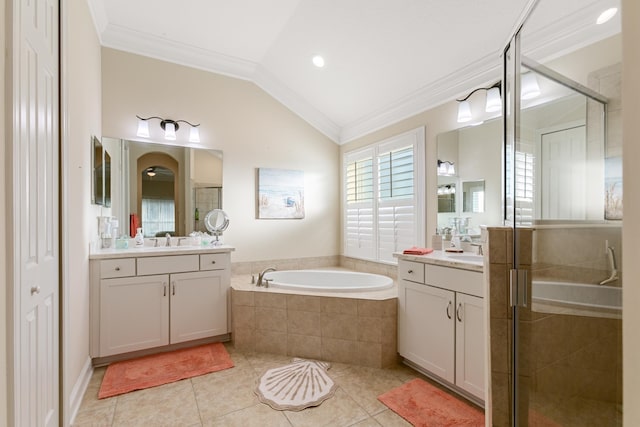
(34, 268)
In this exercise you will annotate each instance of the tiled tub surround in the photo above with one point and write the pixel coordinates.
(356, 328)
(338, 261)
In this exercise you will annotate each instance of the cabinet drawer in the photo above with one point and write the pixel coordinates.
(168, 264)
(112, 268)
(411, 270)
(214, 261)
(455, 279)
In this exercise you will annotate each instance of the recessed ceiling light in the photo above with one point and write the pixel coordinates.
(606, 15)
(318, 61)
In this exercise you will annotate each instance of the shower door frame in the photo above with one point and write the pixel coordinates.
(513, 61)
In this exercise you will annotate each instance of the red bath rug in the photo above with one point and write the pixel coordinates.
(163, 368)
(424, 405)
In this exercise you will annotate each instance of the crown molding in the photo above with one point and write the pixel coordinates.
(290, 99)
(132, 41)
(128, 40)
(477, 73)
(553, 40)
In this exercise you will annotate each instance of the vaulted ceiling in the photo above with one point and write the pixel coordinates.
(385, 59)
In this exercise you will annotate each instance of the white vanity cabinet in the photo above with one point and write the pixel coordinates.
(441, 323)
(144, 302)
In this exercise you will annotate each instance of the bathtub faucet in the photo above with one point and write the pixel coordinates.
(261, 276)
(614, 268)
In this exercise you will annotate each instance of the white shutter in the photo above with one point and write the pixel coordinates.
(524, 187)
(359, 219)
(384, 199)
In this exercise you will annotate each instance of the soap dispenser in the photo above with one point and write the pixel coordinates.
(139, 238)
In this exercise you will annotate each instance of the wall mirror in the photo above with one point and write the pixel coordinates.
(473, 196)
(168, 188)
(101, 179)
(447, 198)
(558, 126)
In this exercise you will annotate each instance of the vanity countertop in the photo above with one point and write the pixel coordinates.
(148, 251)
(463, 260)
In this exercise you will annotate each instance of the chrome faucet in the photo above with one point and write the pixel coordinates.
(614, 268)
(261, 276)
(168, 236)
(479, 246)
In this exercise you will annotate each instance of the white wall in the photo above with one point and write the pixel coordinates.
(631, 225)
(82, 91)
(252, 129)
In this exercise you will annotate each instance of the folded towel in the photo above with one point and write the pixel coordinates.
(417, 251)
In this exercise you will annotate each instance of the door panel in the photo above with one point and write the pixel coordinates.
(35, 172)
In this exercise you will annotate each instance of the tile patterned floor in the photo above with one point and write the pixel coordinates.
(226, 398)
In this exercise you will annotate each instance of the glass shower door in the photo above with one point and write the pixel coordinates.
(561, 201)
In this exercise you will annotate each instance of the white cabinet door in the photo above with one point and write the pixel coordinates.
(134, 313)
(470, 342)
(198, 305)
(427, 327)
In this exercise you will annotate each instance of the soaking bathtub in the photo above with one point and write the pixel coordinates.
(577, 298)
(334, 315)
(328, 280)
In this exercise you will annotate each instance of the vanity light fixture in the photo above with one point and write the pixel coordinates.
(169, 127)
(530, 88)
(493, 102)
(446, 168)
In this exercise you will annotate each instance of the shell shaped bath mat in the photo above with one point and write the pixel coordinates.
(301, 384)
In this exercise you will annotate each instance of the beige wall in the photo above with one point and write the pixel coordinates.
(81, 90)
(252, 129)
(3, 233)
(631, 226)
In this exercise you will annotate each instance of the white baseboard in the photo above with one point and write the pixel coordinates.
(79, 388)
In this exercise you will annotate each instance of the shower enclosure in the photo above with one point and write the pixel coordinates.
(563, 200)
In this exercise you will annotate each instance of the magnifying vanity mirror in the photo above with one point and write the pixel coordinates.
(168, 188)
(216, 221)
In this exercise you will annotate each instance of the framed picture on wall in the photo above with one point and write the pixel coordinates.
(280, 194)
(613, 188)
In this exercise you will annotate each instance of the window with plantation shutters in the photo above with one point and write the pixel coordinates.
(384, 197)
(523, 187)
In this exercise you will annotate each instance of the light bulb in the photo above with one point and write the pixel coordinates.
(530, 88)
(194, 135)
(606, 15)
(464, 112)
(494, 103)
(170, 131)
(143, 128)
(318, 61)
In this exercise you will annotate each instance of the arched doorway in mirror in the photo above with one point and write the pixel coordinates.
(158, 194)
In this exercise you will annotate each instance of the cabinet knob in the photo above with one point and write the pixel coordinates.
(213, 262)
(410, 271)
(117, 268)
(35, 290)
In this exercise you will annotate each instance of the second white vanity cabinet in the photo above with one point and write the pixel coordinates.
(145, 302)
(441, 323)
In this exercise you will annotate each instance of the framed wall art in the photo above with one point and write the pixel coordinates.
(280, 194)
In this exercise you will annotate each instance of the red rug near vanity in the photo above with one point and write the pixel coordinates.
(424, 405)
(163, 368)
